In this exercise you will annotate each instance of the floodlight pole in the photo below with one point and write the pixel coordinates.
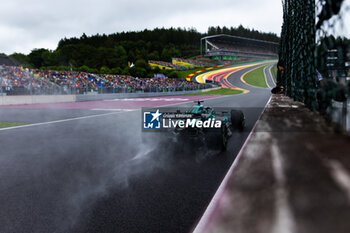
(206, 46)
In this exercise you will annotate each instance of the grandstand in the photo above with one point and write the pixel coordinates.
(162, 65)
(6, 61)
(227, 47)
(180, 64)
(188, 63)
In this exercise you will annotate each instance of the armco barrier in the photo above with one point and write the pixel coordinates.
(91, 97)
(44, 99)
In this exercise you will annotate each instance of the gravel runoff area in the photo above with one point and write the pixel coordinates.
(292, 175)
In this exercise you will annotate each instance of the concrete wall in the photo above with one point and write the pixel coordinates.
(36, 99)
(90, 97)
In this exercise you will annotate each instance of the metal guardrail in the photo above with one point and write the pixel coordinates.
(9, 91)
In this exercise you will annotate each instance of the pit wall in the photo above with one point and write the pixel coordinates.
(44, 99)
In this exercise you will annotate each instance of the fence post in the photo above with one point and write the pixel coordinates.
(1, 84)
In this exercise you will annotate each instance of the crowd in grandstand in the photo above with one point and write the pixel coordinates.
(162, 63)
(12, 77)
(195, 62)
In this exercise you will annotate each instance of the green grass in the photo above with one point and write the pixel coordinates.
(256, 77)
(5, 124)
(221, 91)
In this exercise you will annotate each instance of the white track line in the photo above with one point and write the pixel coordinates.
(246, 91)
(201, 226)
(112, 109)
(266, 77)
(115, 111)
(58, 121)
(284, 220)
(341, 176)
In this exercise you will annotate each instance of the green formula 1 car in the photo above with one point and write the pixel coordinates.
(220, 125)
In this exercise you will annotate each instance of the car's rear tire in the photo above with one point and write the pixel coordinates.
(217, 138)
(237, 120)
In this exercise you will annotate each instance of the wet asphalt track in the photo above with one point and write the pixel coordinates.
(95, 175)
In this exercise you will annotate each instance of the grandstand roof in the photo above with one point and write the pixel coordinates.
(238, 38)
(6, 61)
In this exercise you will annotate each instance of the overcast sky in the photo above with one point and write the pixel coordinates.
(25, 25)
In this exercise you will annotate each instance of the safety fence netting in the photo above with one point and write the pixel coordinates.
(315, 53)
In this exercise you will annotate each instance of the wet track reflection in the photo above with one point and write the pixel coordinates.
(97, 175)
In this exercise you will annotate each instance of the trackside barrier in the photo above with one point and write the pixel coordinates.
(44, 99)
(36, 99)
(292, 175)
(135, 95)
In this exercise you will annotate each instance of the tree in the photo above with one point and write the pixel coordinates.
(105, 70)
(138, 72)
(126, 71)
(52, 58)
(131, 56)
(36, 57)
(169, 53)
(156, 70)
(153, 56)
(142, 64)
(117, 49)
(211, 31)
(84, 69)
(173, 74)
(120, 57)
(225, 30)
(117, 70)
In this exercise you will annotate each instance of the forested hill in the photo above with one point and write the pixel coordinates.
(244, 32)
(116, 50)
